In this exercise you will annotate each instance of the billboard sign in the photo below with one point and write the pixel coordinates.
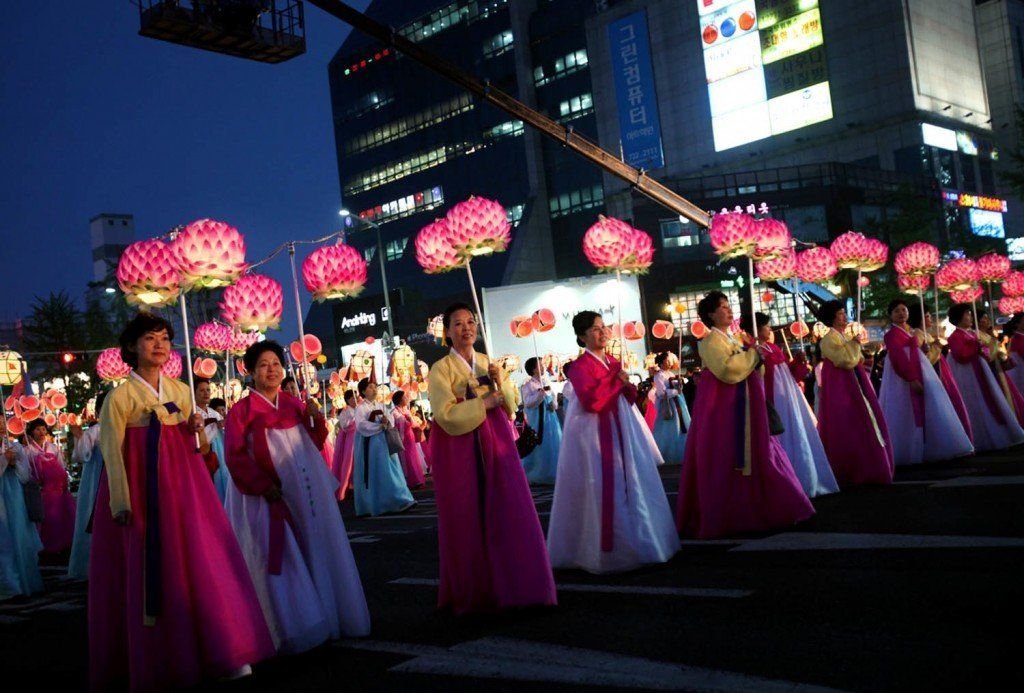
(637, 102)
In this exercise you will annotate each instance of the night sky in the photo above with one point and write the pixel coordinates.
(99, 119)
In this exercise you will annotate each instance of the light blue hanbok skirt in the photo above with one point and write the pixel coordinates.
(541, 465)
(19, 542)
(78, 563)
(377, 478)
(668, 433)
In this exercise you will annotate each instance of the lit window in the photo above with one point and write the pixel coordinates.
(576, 107)
(395, 249)
(496, 45)
(368, 253)
(576, 201)
(422, 201)
(565, 65)
(416, 122)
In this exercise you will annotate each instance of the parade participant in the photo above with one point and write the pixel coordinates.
(344, 445)
(568, 394)
(610, 512)
(212, 423)
(799, 436)
(489, 537)
(87, 454)
(993, 421)
(19, 538)
(850, 420)
(672, 418)
(221, 407)
(420, 428)
(283, 508)
(997, 356)
(171, 602)
(913, 400)
(736, 477)
(378, 482)
(541, 464)
(923, 328)
(411, 458)
(291, 387)
(57, 530)
(1015, 348)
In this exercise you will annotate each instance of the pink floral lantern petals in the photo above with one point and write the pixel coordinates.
(917, 259)
(782, 267)
(209, 254)
(110, 367)
(816, 265)
(641, 253)
(1011, 305)
(1013, 285)
(969, 295)
(851, 250)
(148, 275)
(434, 250)
(993, 267)
(957, 275)
(478, 226)
(240, 342)
(255, 302)
(212, 337)
(608, 243)
(877, 255)
(913, 284)
(334, 271)
(733, 234)
(173, 367)
(773, 239)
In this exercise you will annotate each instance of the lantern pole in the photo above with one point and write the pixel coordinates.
(680, 365)
(974, 310)
(860, 274)
(796, 312)
(476, 302)
(3, 408)
(536, 353)
(991, 314)
(936, 320)
(622, 335)
(227, 374)
(753, 305)
(188, 359)
(298, 315)
(920, 296)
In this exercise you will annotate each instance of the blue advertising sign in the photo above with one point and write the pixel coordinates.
(639, 127)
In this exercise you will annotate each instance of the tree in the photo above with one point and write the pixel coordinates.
(56, 325)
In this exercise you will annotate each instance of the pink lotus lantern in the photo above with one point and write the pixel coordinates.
(110, 367)
(478, 226)
(917, 259)
(607, 243)
(1013, 285)
(878, 255)
(957, 275)
(212, 337)
(641, 253)
(209, 254)
(816, 265)
(968, 295)
(733, 234)
(334, 271)
(851, 250)
(240, 342)
(993, 267)
(254, 303)
(434, 250)
(147, 274)
(773, 239)
(172, 368)
(543, 320)
(915, 285)
(782, 267)
(1011, 305)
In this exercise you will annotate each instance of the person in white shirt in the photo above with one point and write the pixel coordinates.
(377, 475)
(539, 404)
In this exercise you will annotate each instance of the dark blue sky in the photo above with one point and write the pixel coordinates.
(96, 118)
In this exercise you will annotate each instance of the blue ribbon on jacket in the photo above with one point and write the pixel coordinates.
(152, 563)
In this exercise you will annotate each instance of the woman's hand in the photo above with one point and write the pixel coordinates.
(494, 371)
(493, 400)
(313, 408)
(624, 377)
(195, 423)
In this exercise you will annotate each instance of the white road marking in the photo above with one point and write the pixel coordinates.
(961, 481)
(813, 541)
(614, 589)
(520, 660)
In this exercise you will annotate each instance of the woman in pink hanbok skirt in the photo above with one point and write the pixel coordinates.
(850, 420)
(932, 348)
(1015, 350)
(171, 603)
(490, 541)
(57, 530)
(412, 460)
(344, 445)
(736, 478)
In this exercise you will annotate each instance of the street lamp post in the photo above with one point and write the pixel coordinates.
(383, 272)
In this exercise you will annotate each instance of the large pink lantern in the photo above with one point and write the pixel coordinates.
(850, 250)
(957, 275)
(877, 255)
(773, 239)
(478, 226)
(172, 368)
(241, 341)
(816, 265)
(212, 337)
(917, 259)
(1013, 285)
(782, 267)
(434, 250)
(110, 367)
(733, 234)
(993, 267)
(914, 285)
(255, 302)
(209, 254)
(148, 275)
(334, 271)
(607, 243)
(641, 253)
(1011, 305)
(968, 295)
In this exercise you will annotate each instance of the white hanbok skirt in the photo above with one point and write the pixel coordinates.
(941, 438)
(318, 595)
(989, 434)
(800, 440)
(644, 531)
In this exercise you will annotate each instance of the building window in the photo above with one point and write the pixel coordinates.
(576, 107)
(433, 23)
(576, 201)
(365, 104)
(395, 249)
(678, 234)
(496, 45)
(566, 65)
(368, 253)
(423, 201)
(515, 214)
(396, 170)
(510, 128)
(397, 129)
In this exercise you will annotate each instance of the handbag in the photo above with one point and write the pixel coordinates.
(33, 491)
(394, 440)
(527, 440)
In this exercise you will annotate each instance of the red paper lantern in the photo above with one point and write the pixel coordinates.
(543, 320)
(993, 267)
(173, 367)
(782, 267)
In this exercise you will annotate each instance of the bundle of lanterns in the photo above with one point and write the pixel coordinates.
(1012, 301)
(959, 278)
(816, 266)
(992, 268)
(854, 250)
(783, 268)
(915, 264)
(26, 408)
